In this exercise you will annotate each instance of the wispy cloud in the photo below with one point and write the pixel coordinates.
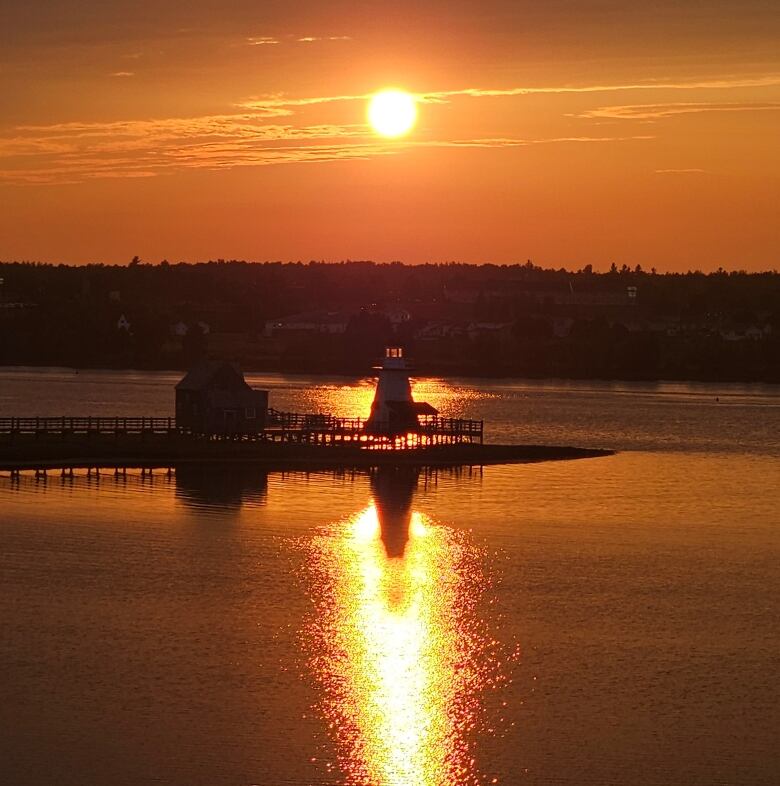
(261, 40)
(725, 83)
(510, 142)
(75, 152)
(309, 39)
(659, 111)
(445, 96)
(122, 74)
(681, 171)
(266, 130)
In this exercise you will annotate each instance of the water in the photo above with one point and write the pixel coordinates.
(608, 621)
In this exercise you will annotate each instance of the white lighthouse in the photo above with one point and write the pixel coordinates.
(393, 410)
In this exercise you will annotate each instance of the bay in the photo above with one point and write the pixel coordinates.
(609, 620)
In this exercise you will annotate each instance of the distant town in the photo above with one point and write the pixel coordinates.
(457, 319)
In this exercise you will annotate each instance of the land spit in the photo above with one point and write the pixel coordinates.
(111, 451)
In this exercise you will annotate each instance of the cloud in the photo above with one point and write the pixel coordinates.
(261, 41)
(122, 74)
(444, 96)
(509, 142)
(76, 152)
(659, 111)
(265, 131)
(308, 39)
(680, 171)
(763, 80)
(312, 38)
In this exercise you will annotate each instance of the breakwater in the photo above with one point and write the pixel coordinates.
(157, 442)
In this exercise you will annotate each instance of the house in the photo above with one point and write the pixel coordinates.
(317, 322)
(398, 316)
(561, 326)
(181, 329)
(745, 333)
(497, 330)
(440, 330)
(214, 398)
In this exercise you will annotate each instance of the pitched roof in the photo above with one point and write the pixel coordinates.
(200, 376)
(406, 408)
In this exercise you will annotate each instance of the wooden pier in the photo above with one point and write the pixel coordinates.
(286, 427)
(285, 441)
(66, 426)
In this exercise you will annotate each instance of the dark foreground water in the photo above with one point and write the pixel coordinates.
(606, 621)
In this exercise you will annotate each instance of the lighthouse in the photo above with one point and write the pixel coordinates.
(394, 411)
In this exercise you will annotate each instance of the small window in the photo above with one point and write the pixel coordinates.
(250, 413)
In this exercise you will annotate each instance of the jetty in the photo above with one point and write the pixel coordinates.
(221, 419)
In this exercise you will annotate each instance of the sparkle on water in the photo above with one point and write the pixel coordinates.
(400, 653)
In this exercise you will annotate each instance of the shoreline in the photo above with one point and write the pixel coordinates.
(420, 373)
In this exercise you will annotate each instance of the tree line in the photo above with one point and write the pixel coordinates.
(67, 315)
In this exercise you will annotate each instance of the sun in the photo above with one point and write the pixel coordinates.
(392, 112)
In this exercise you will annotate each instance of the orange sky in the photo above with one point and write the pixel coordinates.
(568, 133)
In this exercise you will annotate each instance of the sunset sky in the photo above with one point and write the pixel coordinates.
(564, 132)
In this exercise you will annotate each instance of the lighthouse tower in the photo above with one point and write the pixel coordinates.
(394, 411)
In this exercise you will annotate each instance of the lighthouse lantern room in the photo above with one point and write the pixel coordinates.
(394, 411)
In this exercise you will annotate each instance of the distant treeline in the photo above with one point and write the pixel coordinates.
(493, 320)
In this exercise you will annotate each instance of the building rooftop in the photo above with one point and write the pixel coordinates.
(202, 375)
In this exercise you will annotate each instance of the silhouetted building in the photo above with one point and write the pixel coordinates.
(393, 410)
(214, 398)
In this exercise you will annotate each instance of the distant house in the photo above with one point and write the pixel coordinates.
(181, 329)
(440, 330)
(317, 322)
(745, 333)
(398, 316)
(596, 298)
(498, 330)
(214, 398)
(561, 326)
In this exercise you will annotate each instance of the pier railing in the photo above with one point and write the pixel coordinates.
(321, 429)
(312, 421)
(459, 429)
(87, 425)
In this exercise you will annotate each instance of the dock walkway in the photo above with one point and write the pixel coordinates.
(286, 427)
(285, 441)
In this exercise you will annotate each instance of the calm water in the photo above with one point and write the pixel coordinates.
(608, 621)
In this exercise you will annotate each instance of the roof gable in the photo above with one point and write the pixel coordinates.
(213, 374)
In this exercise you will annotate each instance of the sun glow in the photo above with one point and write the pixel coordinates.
(392, 112)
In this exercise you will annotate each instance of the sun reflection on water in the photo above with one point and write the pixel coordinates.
(353, 399)
(401, 655)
